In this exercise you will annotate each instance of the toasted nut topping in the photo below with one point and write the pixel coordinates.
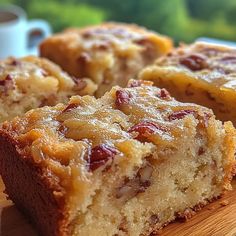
(100, 155)
(122, 97)
(178, 115)
(194, 62)
(5, 81)
(145, 129)
(164, 94)
(70, 107)
(137, 185)
(154, 219)
(201, 151)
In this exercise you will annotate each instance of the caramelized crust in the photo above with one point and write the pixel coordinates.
(109, 54)
(32, 82)
(35, 190)
(125, 164)
(201, 73)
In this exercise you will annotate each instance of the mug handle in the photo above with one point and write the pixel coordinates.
(37, 25)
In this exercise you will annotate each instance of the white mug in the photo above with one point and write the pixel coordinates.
(16, 30)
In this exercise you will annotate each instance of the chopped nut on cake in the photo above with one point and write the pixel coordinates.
(201, 73)
(127, 163)
(109, 54)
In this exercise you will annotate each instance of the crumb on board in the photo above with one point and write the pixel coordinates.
(224, 203)
(212, 207)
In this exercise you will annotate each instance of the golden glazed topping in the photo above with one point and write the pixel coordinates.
(201, 73)
(109, 54)
(32, 82)
(93, 132)
(22, 71)
(211, 63)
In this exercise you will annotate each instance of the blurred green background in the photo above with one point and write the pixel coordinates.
(184, 20)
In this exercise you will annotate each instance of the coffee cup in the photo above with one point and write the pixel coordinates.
(19, 36)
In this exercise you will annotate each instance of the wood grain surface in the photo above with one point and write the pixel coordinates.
(216, 219)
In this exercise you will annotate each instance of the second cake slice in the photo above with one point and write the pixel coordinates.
(201, 73)
(109, 54)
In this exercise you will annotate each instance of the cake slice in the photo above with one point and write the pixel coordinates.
(32, 82)
(109, 54)
(125, 164)
(201, 73)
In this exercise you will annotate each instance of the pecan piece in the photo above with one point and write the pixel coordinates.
(5, 81)
(62, 129)
(138, 184)
(228, 59)
(15, 62)
(134, 83)
(194, 62)
(164, 94)
(145, 129)
(201, 151)
(203, 118)
(70, 107)
(154, 219)
(122, 97)
(100, 155)
(178, 115)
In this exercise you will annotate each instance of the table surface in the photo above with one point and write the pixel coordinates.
(216, 219)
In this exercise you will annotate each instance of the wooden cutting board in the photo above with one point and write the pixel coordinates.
(216, 219)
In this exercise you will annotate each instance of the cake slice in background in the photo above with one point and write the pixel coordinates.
(32, 82)
(201, 73)
(125, 164)
(110, 54)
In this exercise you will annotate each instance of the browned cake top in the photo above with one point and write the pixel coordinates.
(35, 74)
(207, 62)
(32, 82)
(94, 131)
(29, 72)
(111, 36)
(109, 54)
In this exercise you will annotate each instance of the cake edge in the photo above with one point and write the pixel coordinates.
(19, 172)
(43, 200)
